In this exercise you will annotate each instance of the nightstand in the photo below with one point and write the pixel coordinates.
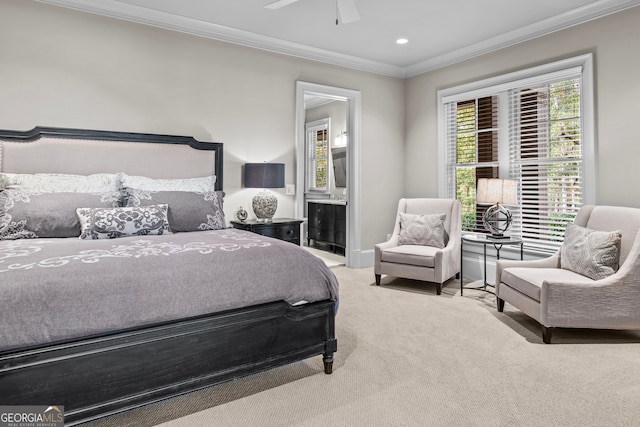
(286, 229)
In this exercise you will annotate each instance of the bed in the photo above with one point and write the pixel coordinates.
(152, 298)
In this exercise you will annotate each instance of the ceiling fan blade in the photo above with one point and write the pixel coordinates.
(348, 11)
(279, 3)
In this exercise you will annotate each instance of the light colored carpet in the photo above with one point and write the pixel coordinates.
(407, 357)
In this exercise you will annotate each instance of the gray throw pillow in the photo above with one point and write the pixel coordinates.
(591, 253)
(188, 210)
(424, 230)
(99, 223)
(26, 215)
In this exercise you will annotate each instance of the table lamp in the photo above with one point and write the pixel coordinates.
(497, 219)
(264, 175)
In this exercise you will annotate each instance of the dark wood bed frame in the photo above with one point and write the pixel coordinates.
(101, 375)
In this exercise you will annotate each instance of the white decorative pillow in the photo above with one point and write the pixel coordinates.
(102, 223)
(60, 183)
(424, 230)
(204, 184)
(591, 253)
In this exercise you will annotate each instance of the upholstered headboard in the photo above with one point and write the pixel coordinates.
(85, 152)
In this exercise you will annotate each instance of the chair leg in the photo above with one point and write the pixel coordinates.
(546, 334)
(438, 288)
(500, 303)
(378, 279)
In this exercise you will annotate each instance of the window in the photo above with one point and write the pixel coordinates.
(473, 144)
(545, 150)
(534, 126)
(317, 155)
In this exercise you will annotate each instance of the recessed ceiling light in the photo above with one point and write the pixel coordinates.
(402, 40)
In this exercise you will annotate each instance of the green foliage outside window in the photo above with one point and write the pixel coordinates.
(466, 193)
(564, 194)
(466, 153)
(321, 160)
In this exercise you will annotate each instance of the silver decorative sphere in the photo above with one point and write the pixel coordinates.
(265, 205)
(241, 214)
(497, 219)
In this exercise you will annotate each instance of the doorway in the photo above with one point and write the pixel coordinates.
(314, 104)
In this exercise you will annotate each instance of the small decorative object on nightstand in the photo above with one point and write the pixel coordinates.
(241, 214)
(286, 229)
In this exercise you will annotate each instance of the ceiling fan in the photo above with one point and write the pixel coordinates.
(346, 9)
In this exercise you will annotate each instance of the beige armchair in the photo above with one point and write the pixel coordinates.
(561, 298)
(418, 261)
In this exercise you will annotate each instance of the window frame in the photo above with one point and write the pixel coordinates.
(310, 157)
(499, 85)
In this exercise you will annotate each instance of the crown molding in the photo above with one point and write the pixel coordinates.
(155, 18)
(565, 20)
(141, 15)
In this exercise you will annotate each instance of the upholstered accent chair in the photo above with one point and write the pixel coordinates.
(558, 294)
(425, 244)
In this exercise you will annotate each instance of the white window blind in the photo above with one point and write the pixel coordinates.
(317, 155)
(534, 126)
(472, 152)
(545, 151)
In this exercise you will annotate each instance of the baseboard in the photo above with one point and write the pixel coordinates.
(361, 259)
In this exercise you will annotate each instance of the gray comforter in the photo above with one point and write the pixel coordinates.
(57, 289)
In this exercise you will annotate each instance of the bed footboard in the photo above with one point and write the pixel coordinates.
(103, 375)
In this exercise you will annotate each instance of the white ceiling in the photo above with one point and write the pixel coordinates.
(439, 32)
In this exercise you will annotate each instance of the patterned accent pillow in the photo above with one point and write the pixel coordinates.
(591, 253)
(188, 211)
(206, 183)
(99, 223)
(60, 183)
(424, 230)
(30, 215)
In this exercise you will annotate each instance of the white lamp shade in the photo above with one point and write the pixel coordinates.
(497, 191)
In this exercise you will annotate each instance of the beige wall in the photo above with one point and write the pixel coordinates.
(615, 43)
(70, 69)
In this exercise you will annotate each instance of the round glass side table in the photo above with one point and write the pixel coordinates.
(486, 240)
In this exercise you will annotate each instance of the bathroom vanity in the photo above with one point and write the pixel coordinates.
(327, 223)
